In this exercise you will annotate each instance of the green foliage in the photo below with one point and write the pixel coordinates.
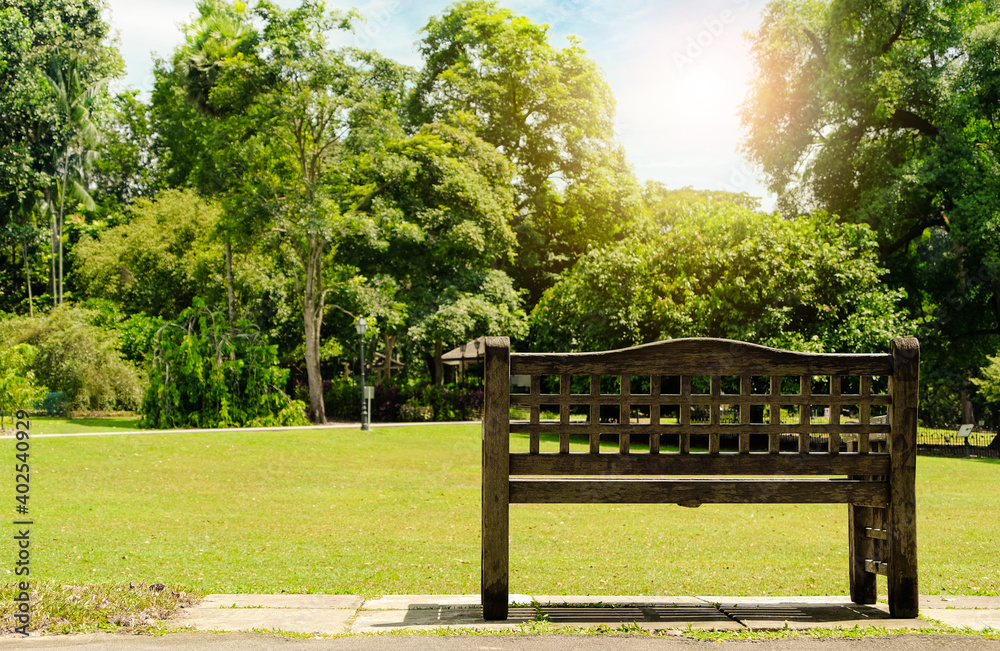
(550, 111)
(405, 402)
(80, 359)
(989, 383)
(885, 113)
(17, 381)
(53, 62)
(719, 269)
(292, 124)
(134, 332)
(128, 167)
(201, 375)
(158, 261)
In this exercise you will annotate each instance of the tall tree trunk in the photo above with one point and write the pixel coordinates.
(62, 221)
(54, 250)
(313, 316)
(438, 363)
(60, 260)
(230, 290)
(390, 344)
(964, 396)
(27, 277)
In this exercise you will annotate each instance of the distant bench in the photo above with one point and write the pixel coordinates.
(875, 478)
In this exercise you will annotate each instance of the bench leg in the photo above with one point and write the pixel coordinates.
(496, 479)
(495, 557)
(902, 558)
(864, 588)
(902, 516)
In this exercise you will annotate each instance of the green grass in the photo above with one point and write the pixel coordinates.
(47, 425)
(396, 510)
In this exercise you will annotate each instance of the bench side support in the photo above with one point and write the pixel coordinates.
(864, 588)
(496, 479)
(902, 517)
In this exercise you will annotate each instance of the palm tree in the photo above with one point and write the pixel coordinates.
(75, 154)
(217, 33)
(24, 227)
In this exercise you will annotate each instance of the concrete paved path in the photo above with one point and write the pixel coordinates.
(264, 641)
(252, 622)
(38, 431)
(345, 614)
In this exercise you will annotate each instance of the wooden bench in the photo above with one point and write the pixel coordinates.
(662, 395)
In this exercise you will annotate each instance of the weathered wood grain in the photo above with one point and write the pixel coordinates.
(701, 356)
(902, 525)
(496, 469)
(706, 400)
(864, 587)
(558, 490)
(753, 428)
(875, 567)
(878, 534)
(674, 464)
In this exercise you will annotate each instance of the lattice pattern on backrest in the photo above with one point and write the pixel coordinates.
(665, 401)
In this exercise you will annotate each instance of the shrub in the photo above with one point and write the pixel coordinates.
(201, 375)
(17, 382)
(395, 403)
(77, 358)
(411, 412)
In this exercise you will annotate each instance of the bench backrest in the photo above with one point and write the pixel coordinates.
(768, 392)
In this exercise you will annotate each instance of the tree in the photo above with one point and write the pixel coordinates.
(296, 116)
(550, 111)
(50, 53)
(77, 358)
(446, 211)
(75, 156)
(717, 269)
(884, 113)
(203, 375)
(22, 235)
(159, 260)
(989, 382)
(129, 166)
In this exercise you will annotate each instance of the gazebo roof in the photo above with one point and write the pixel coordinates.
(467, 353)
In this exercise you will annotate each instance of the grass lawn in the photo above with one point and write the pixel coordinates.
(396, 510)
(47, 425)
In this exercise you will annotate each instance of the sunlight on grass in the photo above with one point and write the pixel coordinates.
(396, 510)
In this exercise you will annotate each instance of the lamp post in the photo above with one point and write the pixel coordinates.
(362, 326)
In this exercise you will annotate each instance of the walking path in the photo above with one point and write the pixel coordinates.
(340, 614)
(451, 623)
(236, 429)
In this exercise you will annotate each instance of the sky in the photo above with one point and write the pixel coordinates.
(678, 68)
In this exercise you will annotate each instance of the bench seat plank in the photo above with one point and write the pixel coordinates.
(696, 491)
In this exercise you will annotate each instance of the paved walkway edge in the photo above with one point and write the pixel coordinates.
(346, 614)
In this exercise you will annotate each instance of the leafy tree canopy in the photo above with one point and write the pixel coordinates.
(18, 389)
(884, 113)
(717, 269)
(158, 261)
(550, 111)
